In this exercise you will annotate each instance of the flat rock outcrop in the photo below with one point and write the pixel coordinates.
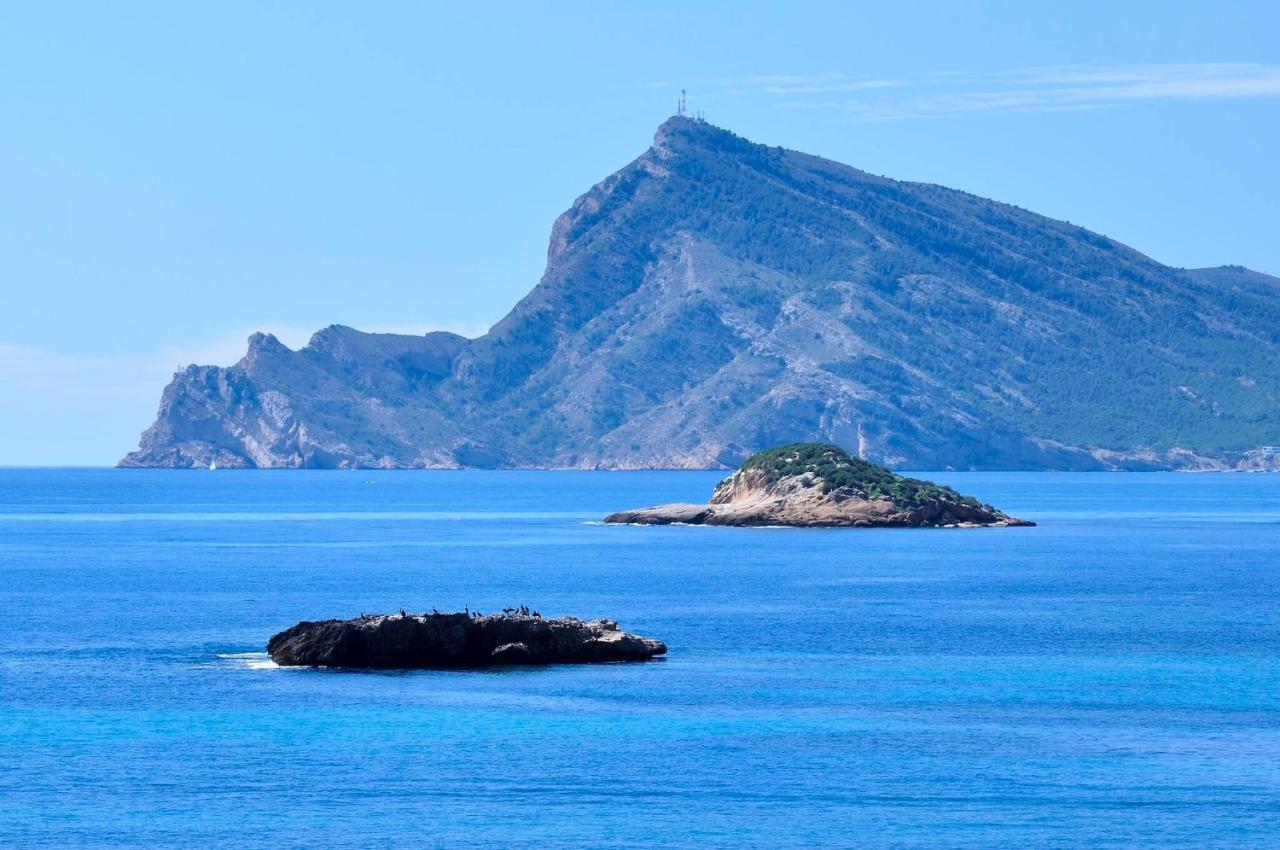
(456, 640)
(809, 484)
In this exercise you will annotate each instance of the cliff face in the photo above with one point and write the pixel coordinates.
(347, 399)
(715, 296)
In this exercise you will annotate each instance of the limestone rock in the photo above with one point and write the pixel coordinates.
(809, 484)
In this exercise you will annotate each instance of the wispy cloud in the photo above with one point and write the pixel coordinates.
(1036, 89)
(780, 84)
(832, 88)
(812, 83)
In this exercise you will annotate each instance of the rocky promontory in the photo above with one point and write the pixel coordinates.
(810, 484)
(456, 640)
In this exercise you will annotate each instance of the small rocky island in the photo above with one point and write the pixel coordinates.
(457, 640)
(813, 485)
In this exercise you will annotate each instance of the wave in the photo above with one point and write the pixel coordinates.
(250, 660)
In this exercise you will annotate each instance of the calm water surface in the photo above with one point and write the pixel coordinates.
(1110, 678)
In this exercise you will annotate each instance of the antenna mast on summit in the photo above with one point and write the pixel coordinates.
(680, 105)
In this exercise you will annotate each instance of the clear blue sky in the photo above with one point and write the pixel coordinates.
(176, 174)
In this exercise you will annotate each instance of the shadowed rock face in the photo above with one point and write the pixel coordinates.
(716, 296)
(456, 640)
(808, 484)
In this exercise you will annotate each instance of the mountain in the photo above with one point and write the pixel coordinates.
(717, 296)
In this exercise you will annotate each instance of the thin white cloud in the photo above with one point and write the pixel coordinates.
(1194, 73)
(833, 88)
(791, 79)
(777, 84)
(811, 83)
(1037, 89)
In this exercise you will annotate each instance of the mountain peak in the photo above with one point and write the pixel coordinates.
(682, 131)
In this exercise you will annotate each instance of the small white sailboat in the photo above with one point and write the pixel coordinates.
(213, 464)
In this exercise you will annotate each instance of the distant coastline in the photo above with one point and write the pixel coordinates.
(1207, 465)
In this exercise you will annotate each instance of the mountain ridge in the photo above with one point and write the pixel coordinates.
(714, 296)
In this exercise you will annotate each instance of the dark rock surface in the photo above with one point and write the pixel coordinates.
(812, 485)
(716, 296)
(456, 640)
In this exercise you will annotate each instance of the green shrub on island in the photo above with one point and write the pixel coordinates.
(836, 468)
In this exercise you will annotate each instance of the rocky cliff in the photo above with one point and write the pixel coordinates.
(812, 485)
(716, 296)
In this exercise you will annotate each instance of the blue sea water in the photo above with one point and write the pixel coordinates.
(1110, 678)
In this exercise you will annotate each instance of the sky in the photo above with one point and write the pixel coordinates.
(176, 175)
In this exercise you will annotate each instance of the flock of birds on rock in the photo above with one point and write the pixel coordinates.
(522, 611)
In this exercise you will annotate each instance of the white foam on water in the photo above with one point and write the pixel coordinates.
(251, 660)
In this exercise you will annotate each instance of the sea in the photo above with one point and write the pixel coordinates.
(1109, 678)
